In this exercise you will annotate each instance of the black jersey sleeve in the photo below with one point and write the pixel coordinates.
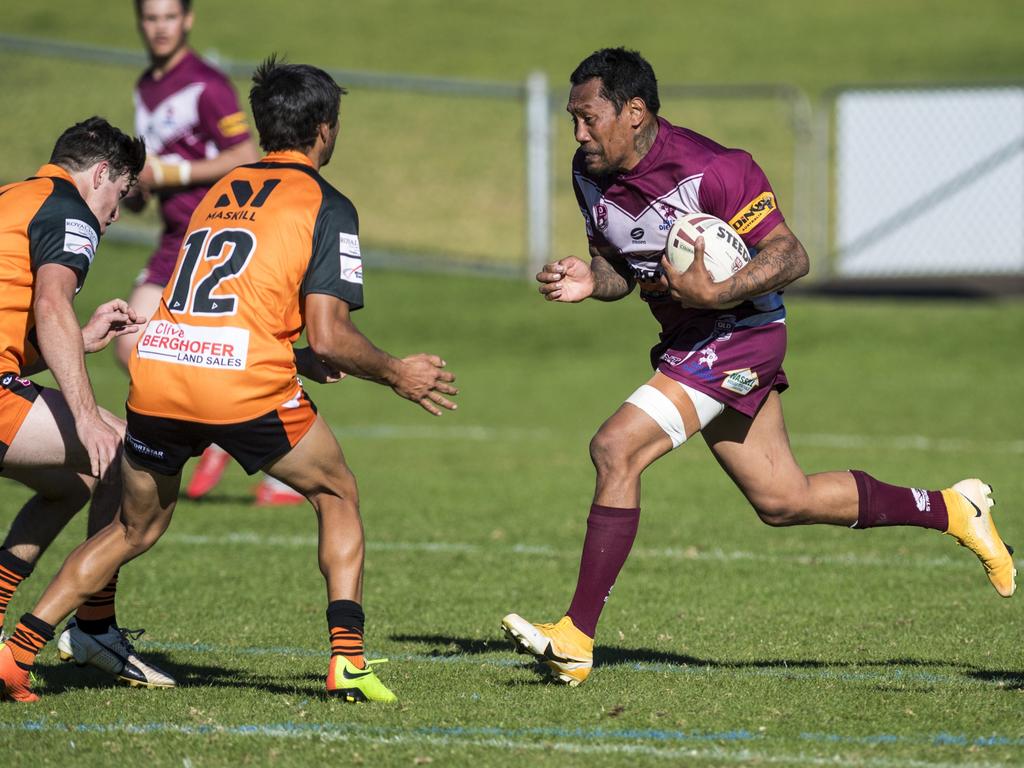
(64, 231)
(336, 265)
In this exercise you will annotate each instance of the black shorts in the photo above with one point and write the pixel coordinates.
(164, 445)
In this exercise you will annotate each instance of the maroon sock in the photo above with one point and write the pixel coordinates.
(610, 534)
(884, 504)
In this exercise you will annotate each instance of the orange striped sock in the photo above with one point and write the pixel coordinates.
(348, 642)
(345, 620)
(28, 639)
(13, 571)
(96, 615)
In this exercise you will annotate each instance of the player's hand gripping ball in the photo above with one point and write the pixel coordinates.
(725, 253)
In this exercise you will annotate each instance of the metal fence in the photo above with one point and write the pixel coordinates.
(446, 174)
(927, 182)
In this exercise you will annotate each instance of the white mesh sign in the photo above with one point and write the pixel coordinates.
(930, 182)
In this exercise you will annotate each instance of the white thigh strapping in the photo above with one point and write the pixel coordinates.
(659, 407)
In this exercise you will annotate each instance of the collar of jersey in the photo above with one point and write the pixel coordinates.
(288, 156)
(52, 171)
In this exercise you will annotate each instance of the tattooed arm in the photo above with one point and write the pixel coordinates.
(780, 260)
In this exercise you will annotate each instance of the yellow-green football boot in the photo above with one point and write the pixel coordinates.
(347, 681)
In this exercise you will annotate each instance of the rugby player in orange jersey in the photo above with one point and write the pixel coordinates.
(187, 111)
(59, 442)
(272, 248)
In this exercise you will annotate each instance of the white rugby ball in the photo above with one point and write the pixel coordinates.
(725, 253)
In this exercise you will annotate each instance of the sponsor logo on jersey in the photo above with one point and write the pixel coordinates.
(673, 360)
(669, 214)
(921, 499)
(232, 125)
(348, 245)
(637, 233)
(351, 260)
(10, 377)
(220, 347)
(724, 326)
(242, 195)
(753, 213)
(602, 216)
(742, 382)
(80, 238)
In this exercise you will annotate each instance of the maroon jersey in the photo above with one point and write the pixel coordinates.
(683, 172)
(191, 113)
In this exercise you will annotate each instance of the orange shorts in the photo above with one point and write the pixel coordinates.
(16, 398)
(164, 445)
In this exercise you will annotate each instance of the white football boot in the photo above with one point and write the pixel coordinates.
(112, 652)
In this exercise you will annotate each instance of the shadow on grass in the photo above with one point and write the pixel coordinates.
(67, 677)
(1007, 679)
(610, 656)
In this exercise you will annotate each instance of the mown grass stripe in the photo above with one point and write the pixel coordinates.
(254, 538)
(481, 433)
(578, 741)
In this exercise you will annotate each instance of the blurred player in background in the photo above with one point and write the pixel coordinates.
(59, 442)
(271, 247)
(718, 372)
(195, 132)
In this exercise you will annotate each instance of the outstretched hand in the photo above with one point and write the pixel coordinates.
(110, 320)
(422, 379)
(569, 280)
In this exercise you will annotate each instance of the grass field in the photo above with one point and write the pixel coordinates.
(725, 643)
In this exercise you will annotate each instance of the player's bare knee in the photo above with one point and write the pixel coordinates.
(779, 511)
(609, 455)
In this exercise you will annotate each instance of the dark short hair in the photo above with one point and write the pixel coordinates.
(290, 102)
(624, 75)
(186, 6)
(94, 140)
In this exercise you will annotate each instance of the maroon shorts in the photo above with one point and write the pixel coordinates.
(733, 356)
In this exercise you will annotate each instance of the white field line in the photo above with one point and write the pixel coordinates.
(478, 433)
(256, 539)
(323, 732)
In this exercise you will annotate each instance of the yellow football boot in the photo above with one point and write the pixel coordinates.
(970, 523)
(347, 681)
(566, 651)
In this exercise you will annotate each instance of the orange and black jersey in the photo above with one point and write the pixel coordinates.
(219, 348)
(43, 220)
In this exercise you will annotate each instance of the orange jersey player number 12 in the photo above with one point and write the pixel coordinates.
(208, 346)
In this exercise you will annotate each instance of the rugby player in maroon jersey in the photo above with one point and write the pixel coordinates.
(716, 371)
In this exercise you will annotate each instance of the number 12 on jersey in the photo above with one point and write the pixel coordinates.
(234, 247)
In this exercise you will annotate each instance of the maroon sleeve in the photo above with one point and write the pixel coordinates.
(220, 116)
(735, 189)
